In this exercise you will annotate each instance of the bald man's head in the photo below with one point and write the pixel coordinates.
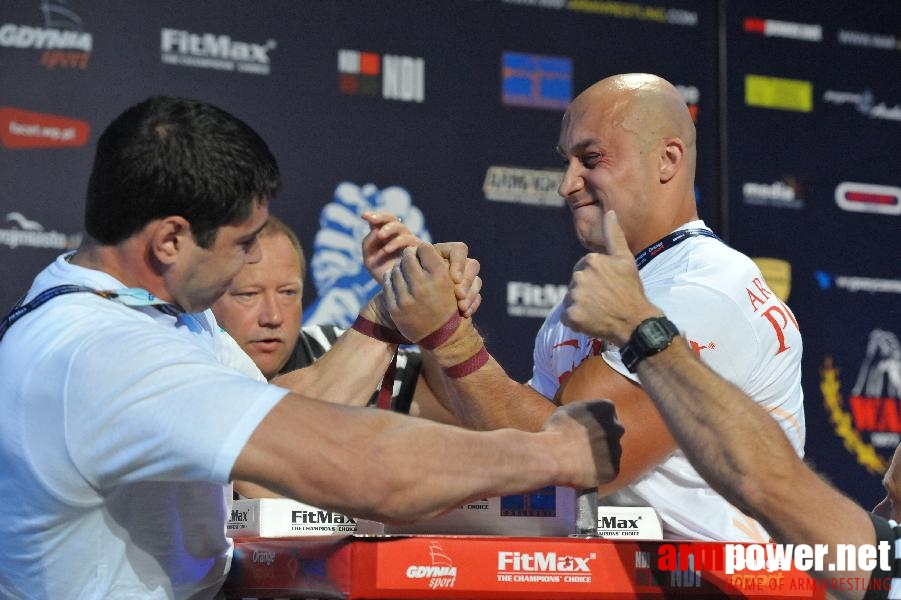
(629, 144)
(645, 104)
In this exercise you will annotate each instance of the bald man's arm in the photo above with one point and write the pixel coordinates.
(647, 441)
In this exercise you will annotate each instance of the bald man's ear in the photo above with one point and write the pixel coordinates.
(671, 158)
(169, 237)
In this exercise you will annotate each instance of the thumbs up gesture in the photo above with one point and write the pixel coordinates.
(606, 298)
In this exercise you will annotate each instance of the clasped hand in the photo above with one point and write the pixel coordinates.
(389, 237)
(419, 292)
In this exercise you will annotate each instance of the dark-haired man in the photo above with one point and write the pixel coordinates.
(127, 410)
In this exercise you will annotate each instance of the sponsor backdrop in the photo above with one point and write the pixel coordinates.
(447, 113)
(813, 121)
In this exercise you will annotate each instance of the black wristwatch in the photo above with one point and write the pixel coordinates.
(650, 337)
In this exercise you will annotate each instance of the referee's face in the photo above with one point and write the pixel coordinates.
(261, 309)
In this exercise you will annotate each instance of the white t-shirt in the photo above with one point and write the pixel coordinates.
(119, 430)
(718, 299)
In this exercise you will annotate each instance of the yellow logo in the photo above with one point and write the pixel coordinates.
(779, 93)
(843, 422)
(778, 275)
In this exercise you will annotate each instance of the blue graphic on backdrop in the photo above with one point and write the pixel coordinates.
(824, 279)
(537, 81)
(342, 283)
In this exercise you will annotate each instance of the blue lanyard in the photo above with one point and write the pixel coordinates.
(133, 297)
(667, 242)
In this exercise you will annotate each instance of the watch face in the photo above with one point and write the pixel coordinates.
(652, 336)
(655, 335)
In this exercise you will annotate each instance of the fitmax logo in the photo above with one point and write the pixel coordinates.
(215, 46)
(614, 523)
(320, 516)
(211, 51)
(240, 516)
(540, 561)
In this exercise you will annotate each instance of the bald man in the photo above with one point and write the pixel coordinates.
(629, 145)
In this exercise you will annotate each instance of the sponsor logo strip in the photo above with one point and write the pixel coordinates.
(778, 93)
(868, 198)
(537, 81)
(26, 129)
(878, 41)
(31, 234)
(808, 32)
(535, 187)
(779, 194)
(526, 299)
(212, 51)
(390, 76)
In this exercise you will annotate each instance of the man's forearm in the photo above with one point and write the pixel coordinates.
(347, 374)
(395, 467)
(487, 398)
(744, 455)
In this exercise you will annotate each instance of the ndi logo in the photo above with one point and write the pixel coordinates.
(391, 76)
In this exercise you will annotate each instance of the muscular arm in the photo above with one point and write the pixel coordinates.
(351, 369)
(347, 374)
(744, 455)
(647, 441)
(430, 399)
(488, 398)
(386, 466)
(728, 438)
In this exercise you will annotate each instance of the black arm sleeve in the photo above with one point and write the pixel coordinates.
(882, 580)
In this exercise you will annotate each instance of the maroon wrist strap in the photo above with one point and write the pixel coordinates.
(378, 332)
(442, 334)
(470, 365)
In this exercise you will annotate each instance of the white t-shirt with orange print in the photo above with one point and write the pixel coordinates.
(718, 299)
